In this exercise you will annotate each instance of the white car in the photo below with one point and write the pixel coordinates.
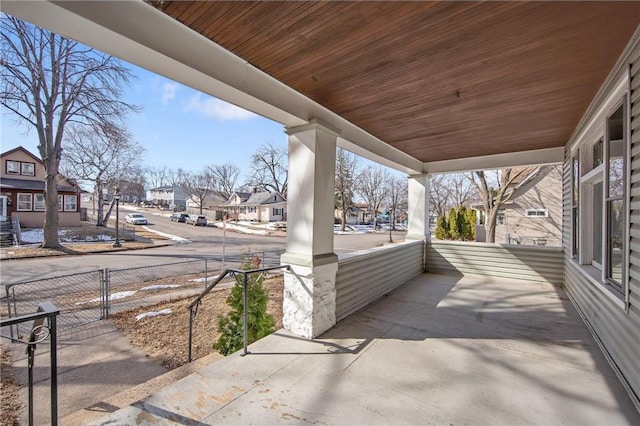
(136, 219)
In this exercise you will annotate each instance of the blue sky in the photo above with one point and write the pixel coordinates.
(178, 127)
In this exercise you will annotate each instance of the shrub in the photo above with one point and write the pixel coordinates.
(460, 225)
(442, 228)
(260, 323)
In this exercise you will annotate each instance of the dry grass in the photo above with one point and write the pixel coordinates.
(74, 249)
(10, 404)
(165, 337)
(85, 240)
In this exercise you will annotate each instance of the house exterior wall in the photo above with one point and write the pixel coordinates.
(613, 318)
(519, 228)
(168, 196)
(36, 219)
(33, 216)
(22, 157)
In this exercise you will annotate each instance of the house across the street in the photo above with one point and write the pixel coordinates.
(22, 191)
(256, 206)
(533, 214)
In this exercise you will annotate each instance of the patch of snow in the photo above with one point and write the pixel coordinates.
(201, 280)
(114, 296)
(175, 238)
(153, 314)
(35, 236)
(242, 229)
(32, 235)
(160, 287)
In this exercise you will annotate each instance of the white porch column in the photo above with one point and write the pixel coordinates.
(309, 305)
(418, 228)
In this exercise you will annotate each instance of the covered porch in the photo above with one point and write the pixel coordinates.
(425, 88)
(440, 349)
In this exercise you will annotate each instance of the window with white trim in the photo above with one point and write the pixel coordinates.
(536, 212)
(277, 212)
(501, 218)
(25, 202)
(38, 202)
(13, 167)
(599, 200)
(70, 203)
(60, 203)
(28, 169)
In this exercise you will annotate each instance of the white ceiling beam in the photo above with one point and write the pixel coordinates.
(497, 161)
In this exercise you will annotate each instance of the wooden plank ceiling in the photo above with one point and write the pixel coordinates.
(437, 80)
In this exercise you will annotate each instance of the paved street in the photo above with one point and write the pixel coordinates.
(205, 242)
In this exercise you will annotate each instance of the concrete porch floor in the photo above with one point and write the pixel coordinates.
(439, 350)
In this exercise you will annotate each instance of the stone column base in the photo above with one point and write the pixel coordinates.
(309, 305)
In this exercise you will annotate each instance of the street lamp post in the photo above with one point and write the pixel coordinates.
(117, 198)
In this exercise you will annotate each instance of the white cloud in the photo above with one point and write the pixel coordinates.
(168, 92)
(215, 108)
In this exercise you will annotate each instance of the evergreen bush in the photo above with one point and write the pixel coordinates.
(260, 323)
(442, 228)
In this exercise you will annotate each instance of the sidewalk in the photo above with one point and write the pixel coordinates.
(94, 363)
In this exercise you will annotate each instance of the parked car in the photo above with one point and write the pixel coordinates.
(136, 219)
(179, 217)
(197, 220)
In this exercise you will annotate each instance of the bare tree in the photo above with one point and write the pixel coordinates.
(198, 186)
(176, 177)
(495, 190)
(461, 189)
(269, 169)
(48, 82)
(101, 155)
(371, 187)
(157, 176)
(346, 177)
(398, 198)
(451, 191)
(439, 195)
(225, 178)
(133, 182)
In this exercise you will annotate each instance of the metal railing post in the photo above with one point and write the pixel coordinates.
(46, 311)
(245, 313)
(190, 332)
(107, 292)
(54, 370)
(6, 289)
(206, 273)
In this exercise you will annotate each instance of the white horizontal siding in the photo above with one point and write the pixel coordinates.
(496, 260)
(617, 329)
(365, 277)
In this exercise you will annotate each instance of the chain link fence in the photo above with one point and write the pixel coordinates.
(91, 296)
(78, 296)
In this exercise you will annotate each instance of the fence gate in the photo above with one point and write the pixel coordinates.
(78, 296)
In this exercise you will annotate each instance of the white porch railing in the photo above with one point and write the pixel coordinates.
(365, 276)
(498, 260)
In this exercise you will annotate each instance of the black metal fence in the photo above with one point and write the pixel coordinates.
(91, 296)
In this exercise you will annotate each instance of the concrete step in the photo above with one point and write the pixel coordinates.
(136, 393)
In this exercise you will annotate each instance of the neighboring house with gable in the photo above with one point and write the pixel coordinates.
(264, 207)
(232, 205)
(167, 196)
(22, 186)
(212, 203)
(533, 214)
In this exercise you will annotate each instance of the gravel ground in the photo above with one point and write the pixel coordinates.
(165, 337)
